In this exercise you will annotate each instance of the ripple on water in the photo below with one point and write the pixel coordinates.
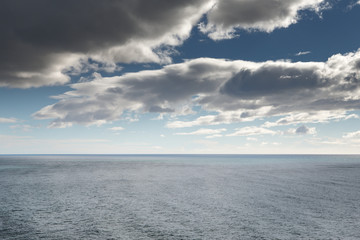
(179, 197)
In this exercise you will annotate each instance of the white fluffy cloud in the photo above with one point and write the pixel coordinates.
(234, 90)
(265, 15)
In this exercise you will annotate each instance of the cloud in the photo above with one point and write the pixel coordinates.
(233, 91)
(45, 42)
(302, 53)
(353, 4)
(226, 17)
(311, 117)
(164, 90)
(115, 129)
(302, 130)
(8, 120)
(349, 139)
(352, 135)
(214, 136)
(204, 131)
(251, 139)
(23, 127)
(251, 131)
(223, 117)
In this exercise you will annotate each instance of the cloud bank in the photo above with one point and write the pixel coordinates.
(234, 91)
(46, 42)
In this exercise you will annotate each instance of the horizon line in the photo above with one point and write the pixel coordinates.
(178, 154)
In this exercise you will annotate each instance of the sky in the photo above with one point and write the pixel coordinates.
(180, 77)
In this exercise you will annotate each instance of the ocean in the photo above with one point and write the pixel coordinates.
(179, 197)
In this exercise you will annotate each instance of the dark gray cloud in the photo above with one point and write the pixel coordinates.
(175, 83)
(304, 130)
(273, 79)
(235, 90)
(249, 12)
(40, 39)
(158, 109)
(357, 64)
(288, 87)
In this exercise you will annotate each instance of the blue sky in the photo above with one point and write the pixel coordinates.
(156, 76)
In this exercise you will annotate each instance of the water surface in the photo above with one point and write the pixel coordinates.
(179, 197)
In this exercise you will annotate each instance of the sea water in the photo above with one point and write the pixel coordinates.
(179, 197)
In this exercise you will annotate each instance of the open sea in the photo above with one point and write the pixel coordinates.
(179, 197)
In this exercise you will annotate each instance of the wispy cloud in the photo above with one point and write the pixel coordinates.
(302, 53)
(353, 4)
(251, 131)
(116, 129)
(311, 117)
(214, 136)
(8, 120)
(203, 131)
(352, 135)
(23, 127)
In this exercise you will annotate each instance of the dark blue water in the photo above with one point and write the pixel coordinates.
(180, 197)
